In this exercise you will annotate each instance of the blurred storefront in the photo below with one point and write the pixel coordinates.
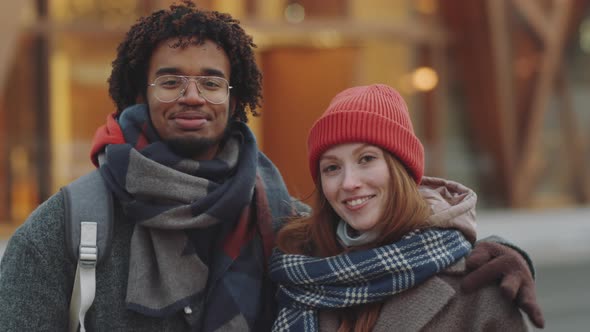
(498, 89)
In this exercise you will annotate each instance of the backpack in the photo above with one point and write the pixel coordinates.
(89, 216)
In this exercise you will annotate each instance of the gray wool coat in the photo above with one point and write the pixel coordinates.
(36, 279)
(439, 305)
(37, 276)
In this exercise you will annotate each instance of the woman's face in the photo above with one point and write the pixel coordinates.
(355, 180)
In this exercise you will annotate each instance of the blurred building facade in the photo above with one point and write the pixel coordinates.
(498, 89)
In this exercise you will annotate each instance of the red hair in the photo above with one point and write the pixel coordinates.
(316, 235)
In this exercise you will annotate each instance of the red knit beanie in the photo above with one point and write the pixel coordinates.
(374, 114)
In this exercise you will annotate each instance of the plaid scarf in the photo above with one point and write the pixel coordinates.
(193, 239)
(309, 284)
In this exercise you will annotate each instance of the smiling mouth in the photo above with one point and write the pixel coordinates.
(190, 124)
(357, 201)
(188, 121)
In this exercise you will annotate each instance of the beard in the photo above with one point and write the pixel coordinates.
(193, 147)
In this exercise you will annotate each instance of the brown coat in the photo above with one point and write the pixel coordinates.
(439, 305)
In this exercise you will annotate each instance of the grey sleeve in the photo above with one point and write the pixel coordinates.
(35, 275)
(301, 209)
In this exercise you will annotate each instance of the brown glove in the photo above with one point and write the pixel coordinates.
(490, 262)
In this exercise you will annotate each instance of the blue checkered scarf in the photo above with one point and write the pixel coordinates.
(309, 284)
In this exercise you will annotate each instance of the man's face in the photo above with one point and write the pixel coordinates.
(190, 125)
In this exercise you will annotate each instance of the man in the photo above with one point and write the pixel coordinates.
(196, 203)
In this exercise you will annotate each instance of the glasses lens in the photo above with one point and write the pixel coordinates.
(214, 89)
(169, 87)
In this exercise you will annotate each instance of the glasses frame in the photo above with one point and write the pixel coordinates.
(188, 79)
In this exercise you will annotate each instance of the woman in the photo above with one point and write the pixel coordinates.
(385, 248)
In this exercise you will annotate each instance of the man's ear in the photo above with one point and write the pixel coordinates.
(232, 106)
(141, 99)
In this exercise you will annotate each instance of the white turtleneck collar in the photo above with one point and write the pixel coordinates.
(343, 231)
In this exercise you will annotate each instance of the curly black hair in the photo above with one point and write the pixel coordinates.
(191, 26)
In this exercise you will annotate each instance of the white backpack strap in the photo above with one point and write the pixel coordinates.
(88, 233)
(75, 303)
(85, 281)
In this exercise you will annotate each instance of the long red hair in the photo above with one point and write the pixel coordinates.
(316, 235)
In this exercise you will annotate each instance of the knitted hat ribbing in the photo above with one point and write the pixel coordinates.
(374, 114)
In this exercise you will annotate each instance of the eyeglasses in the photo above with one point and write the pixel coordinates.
(168, 88)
